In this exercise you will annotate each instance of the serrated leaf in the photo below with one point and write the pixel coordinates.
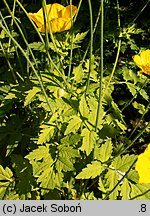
(133, 176)
(89, 140)
(39, 153)
(112, 180)
(79, 37)
(65, 164)
(125, 190)
(37, 46)
(101, 185)
(91, 171)
(65, 159)
(49, 179)
(5, 180)
(40, 159)
(120, 125)
(104, 152)
(117, 112)
(108, 130)
(5, 174)
(31, 94)
(46, 134)
(78, 73)
(3, 189)
(139, 107)
(12, 196)
(144, 94)
(129, 75)
(138, 191)
(83, 107)
(73, 125)
(123, 164)
(23, 171)
(132, 88)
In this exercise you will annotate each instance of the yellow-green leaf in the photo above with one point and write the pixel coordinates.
(89, 140)
(30, 95)
(83, 107)
(73, 125)
(91, 171)
(46, 134)
(104, 152)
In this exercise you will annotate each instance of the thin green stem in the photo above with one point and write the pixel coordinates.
(91, 46)
(127, 104)
(118, 52)
(94, 29)
(101, 66)
(79, 5)
(71, 51)
(8, 62)
(139, 12)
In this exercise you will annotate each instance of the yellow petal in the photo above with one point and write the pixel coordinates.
(138, 61)
(143, 61)
(143, 166)
(66, 12)
(53, 10)
(145, 56)
(60, 24)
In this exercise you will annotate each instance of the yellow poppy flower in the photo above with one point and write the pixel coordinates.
(143, 61)
(58, 16)
(143, 166)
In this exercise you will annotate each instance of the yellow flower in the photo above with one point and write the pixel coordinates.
(143, 166)
(143, 61)
(58, 16)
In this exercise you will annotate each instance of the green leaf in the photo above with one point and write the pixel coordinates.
(117, 112)
(66, 155)
(91, 171)
(130, 75)
(132, 88)
(123, 164)
(120, 125)
(138, 191)
(49, 179)
(73, 125)
(144, 94)
(108, 130)
(46, 134)
(3, 188)
(79, 37)
(23, 170)
(112, 180)
(31, 94)
(5, 174)
(78, 73)
(83, 107)
(139, 107)
(39, 153)
(40, 159)
(104, 152)
(125, 190)
(89, 140)
(5, 180)
(12, 196)
(37, 46)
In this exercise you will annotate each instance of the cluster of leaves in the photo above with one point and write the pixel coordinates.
(50, 146)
